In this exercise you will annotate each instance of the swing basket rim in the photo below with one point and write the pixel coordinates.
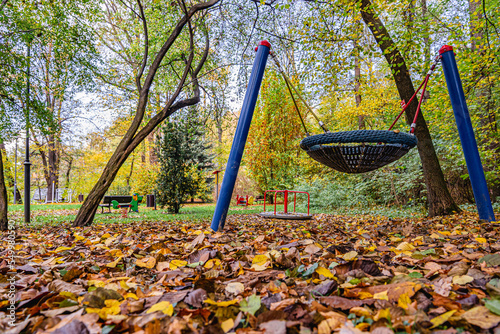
(360, 137)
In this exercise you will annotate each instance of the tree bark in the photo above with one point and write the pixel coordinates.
(9, 177)
(4, 202)
(134, 136)
(438, 196)
(68, 171)
(357, 95)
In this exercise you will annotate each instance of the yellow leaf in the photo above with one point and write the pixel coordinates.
(112, 308)
(212, 263)
(124, 285)
(105, 236)
(165, 251)
(462, 280)
(365, 295)
(404, 301)
(260, 259)
(164, 306)
(261, 262)
(114, 263)
(68, 294)
(481, 240)
(382, 314)
(116, 252)
(325, 272)
(60, 249)
(96, 283)
(241, 271)
(147, 262)
(405, 246)
(381, 295)
(131, 295)
(78, 238)
(350, 255)
(441, 319)
(174, 264)
(223, 304)
(227, 325)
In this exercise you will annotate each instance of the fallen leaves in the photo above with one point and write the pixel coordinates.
(165, 307)
(377, 275)
(147, 262)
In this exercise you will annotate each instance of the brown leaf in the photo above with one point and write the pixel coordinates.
(482, 317)
(393, 291)
(59, 286)
(443, 286)
(344, 303)
(196, 297)
(274, 327)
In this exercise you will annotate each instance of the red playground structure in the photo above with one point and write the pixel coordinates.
(285, 214)
(245, 201)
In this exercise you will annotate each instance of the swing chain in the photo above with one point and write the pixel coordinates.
(405, 104)
(289, 84)
(426, 80)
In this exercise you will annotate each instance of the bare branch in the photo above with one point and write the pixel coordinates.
(130, 7)
(170, 41)
(146, 46)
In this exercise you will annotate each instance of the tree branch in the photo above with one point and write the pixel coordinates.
(146, 46)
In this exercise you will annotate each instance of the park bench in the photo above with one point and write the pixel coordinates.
(40, 195)
(106, 201)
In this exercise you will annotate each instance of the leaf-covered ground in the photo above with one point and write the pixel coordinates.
(330, 274)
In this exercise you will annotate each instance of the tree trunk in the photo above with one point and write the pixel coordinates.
(68, 172)
(438, 197)
(3, 199)
(134, 136)
(9, 176)
(153, 158)
(357, 96)
(129, 176)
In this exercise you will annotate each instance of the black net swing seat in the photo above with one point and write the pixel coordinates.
(358, 151)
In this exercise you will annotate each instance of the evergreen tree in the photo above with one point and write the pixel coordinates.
(184, 157)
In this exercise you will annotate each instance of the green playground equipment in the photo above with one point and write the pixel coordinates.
(133, 205)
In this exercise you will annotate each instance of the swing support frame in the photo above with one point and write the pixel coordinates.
(459, 105)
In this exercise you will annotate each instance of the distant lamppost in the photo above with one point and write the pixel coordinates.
(15, 175)
(27, 163)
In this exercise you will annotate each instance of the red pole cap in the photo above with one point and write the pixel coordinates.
(265, 43)
(445, 48)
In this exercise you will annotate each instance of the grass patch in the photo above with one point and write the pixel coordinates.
(54, 214)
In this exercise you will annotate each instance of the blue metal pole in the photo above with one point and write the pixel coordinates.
(240, 136)
(466, 133)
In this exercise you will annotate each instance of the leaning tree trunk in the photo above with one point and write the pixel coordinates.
(134, 136)
(3, 198)
(438, 197)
